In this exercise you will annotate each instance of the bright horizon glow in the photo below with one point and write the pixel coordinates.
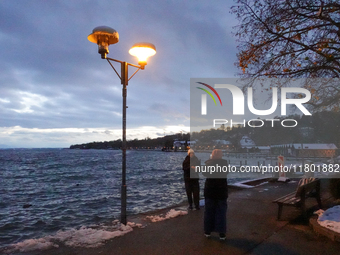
(65, 94)
(11, 137)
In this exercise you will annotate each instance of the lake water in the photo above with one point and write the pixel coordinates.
(43, 191)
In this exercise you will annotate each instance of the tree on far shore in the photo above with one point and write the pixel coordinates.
(292, 39)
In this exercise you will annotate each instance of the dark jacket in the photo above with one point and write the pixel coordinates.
(216, 184)
(187, 163)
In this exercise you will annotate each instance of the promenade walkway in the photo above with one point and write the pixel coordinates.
(252, 229)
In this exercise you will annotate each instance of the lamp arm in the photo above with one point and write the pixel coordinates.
(108, 60)
(139, 67)
(134, 73)
(116, 60)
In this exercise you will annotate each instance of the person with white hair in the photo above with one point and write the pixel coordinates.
(215, 196)
(191, 179)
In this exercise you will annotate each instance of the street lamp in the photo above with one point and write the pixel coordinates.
(103, 36)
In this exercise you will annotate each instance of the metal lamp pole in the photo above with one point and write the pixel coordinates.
(124, 81)
(104, 36)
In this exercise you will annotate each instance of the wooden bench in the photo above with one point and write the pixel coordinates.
(298, 198)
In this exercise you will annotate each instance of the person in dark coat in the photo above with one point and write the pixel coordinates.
(216, 194)
(191, 179)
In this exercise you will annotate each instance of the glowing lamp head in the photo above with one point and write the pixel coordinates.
(103, 36)
(142, 51)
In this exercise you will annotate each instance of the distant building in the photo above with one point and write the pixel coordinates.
(223, 144)
(247, 143)
(263, 149)
(326, 150)
(191, 143)
(182, 145)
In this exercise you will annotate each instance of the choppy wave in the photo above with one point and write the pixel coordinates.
(53, 195)
(88, 237)
(43, 191)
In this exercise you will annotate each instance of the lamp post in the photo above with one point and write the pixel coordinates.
(103, 36)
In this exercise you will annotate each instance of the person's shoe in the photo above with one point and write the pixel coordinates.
(207, 235)
(197, 208)
(190, 207)
(222, 236)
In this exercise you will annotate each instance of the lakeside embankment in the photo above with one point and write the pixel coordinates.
(252, 229)
(68, 189)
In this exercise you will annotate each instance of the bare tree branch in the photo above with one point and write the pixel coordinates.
(291, 39)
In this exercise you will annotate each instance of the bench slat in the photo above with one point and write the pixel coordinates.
(284, 197)
(308, 187)
(292, 200)
(298, 198)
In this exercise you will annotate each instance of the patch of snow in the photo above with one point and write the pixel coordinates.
(133, 225)
(88, 237)
(330, 218)
(32, 244)
(171, 214)
(244, 185)
(241, 185)
(83, 237)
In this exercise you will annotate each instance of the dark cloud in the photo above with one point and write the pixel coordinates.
(53, 78)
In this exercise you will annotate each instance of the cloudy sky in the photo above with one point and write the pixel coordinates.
(55, 90)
